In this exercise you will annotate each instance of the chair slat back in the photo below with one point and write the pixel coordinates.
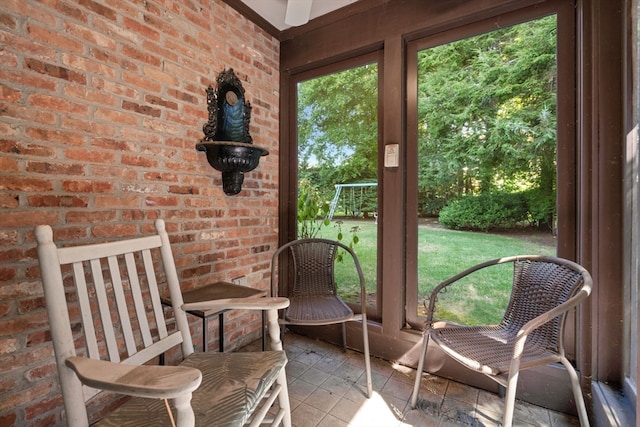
(538, 287)
(114, 290)
(314, 267)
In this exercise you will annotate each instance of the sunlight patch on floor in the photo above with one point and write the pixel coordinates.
(376, 412)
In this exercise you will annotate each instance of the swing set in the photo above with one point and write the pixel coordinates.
(351, 197)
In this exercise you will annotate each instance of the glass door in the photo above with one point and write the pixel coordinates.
(337, 173)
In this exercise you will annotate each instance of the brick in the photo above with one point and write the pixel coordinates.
(160, 176)
(181, 189)
(107, 171)
(90, 66)
(114, 88)
(57, 201)
(38, 409)
(80, 186)
(140, 161)
(27, 218)
(99, 9)
(8, 345)
(142, 56)
(117, 202)
(55, 136)
(15, 398)
(9, 94)
(184, 96)
(195, 272)
(7, 21)
(141, 109)
(55, 168)
(71, 10)
(115, 230)
(19, 183)
(27, 47)
(89, 155)
(40, 372)
(156, 100)
(89, 216)
(8, 420)
(54, 38)
(7, 274)
(160, 201)
(27, 114)
(55, 71)
(112, 115)
(8, 164)
(26, 321)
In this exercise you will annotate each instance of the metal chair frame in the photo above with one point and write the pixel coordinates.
(545, 290)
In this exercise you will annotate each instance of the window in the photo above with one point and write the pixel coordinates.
(486, 160)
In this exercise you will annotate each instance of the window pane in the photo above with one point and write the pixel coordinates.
(486, 158)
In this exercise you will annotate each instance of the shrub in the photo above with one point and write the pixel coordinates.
(542, 207)
(486, 211)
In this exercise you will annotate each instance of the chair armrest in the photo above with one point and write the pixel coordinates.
(268, 303)
(160, 382)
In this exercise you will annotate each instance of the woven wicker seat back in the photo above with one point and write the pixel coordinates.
(539, 287)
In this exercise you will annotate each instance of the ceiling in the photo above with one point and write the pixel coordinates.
(273, 11)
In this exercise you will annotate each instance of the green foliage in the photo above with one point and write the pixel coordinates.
(313, 218)
(338, 128)
(312, 211)
(487, 113)
(353, 232)
(486, 211)
(542, 207)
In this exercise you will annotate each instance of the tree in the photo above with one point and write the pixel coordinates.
(487, 120)
(487, 113)
(338, 128)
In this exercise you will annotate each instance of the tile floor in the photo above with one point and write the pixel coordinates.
(327, 389)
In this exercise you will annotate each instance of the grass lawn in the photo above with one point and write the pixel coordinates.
(443, 253)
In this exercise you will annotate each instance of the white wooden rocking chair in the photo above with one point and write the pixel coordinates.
(113, 290)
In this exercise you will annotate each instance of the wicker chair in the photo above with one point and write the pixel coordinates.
(113, 293)
(313, 293)
(545, 290)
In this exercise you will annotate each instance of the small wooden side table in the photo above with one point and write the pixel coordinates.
(219, 290)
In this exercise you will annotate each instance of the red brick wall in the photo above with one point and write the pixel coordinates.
(101, 105)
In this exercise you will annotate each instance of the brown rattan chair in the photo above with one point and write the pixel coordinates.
(109, 330)
(545, 290)
(313, 292)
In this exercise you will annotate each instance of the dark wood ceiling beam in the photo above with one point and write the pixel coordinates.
(349, 31)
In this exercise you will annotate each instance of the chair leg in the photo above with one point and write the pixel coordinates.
(367, 358)
(186, 417)
(577, 393)
(510, 398)
(283, 399)
(344, 336)
(416, 385)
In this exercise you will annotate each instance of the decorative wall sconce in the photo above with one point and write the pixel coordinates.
(227, 142)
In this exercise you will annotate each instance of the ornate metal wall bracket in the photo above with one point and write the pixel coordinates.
(227, 142)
